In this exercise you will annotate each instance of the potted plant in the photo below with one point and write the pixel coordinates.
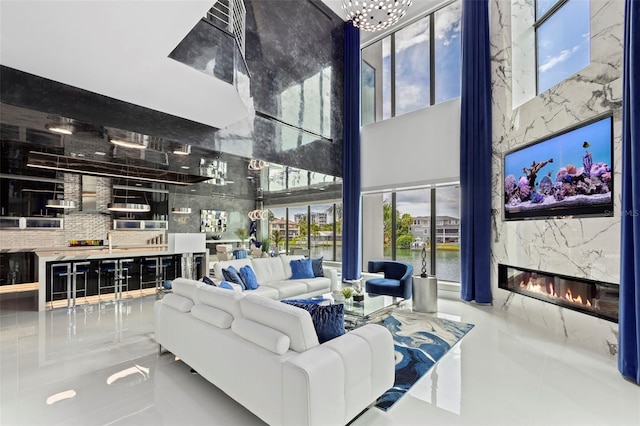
(242, 233)
(277, 239)
(347, 292)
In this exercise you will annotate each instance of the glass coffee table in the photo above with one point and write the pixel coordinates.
(357, 314)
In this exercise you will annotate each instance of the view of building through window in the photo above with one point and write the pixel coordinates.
(413, 229)
(307, 230)
(563, 40)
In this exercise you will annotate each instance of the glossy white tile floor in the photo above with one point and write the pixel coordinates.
(99, 365)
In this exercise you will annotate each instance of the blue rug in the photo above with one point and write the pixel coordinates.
(420, 341)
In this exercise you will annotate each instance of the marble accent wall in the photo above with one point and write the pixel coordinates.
(586, 247)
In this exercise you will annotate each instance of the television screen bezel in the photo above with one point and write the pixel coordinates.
(567, 212)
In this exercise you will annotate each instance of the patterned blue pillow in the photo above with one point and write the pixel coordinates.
(249, 277)
(316, 265)
(208, 280)
(226, 285)
(301, 269)
(327, 320)
(232, 275)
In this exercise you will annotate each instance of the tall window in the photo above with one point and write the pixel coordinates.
(316, 228)
(563, 40)
(412, 71)
(409, 226)
(447, 52)
(413, 68)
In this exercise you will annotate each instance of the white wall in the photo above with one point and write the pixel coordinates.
(580, 247)
(419, 148)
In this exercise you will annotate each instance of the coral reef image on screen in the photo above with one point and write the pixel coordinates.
(566, 175)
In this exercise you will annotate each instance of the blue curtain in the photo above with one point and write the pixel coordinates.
(351, 198)
(475, 153)
(629, 316)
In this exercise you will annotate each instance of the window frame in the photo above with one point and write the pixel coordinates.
(537, 24)
(430, 15)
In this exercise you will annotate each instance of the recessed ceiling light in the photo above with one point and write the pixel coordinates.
(185, 167)
(128, 144)
(100, 153)
(182, 150)
(63, 129)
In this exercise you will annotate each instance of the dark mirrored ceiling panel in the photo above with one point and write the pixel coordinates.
(80, 165)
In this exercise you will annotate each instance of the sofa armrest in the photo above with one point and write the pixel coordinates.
(332, 274)
(347, 373)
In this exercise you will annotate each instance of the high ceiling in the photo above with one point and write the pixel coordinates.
(417, 7)
(120, 49)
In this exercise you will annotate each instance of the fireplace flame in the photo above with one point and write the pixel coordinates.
(548, 290)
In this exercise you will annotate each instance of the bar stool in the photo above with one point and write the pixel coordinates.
(60, 289)
(126, 266)
(165, 262)
(198, 259)
(79, 268)
(109, 269)
(151, 265)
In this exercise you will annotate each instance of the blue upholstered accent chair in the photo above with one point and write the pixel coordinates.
(397, 281)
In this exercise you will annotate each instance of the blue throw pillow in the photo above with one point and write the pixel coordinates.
(232, 275)
(208, 280)
(316, 300)
(249, 277)
(316, 265)
(226, 285)
(301, 269)
(327, 320)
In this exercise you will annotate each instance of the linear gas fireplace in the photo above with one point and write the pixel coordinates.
(591, 297)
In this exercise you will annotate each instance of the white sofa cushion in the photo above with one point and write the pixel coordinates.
(266, 337)
(211, 315)
(293, 322)
(315, 284)
(289, 288)
(265, 291)
(286, 263)
(221, 298)
(269, 269)
(186, 287)
(181, 303)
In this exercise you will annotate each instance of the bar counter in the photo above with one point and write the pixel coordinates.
(92, 260)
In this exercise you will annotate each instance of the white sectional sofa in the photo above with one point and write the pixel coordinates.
(274, 277)
(265, 354)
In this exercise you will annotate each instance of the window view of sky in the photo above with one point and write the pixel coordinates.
(447, 52)
(563, 43)
(412, 67)
(412, 62)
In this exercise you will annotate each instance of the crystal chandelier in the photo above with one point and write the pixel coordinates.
(375, 15)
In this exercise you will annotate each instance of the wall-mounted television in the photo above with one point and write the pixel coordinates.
(567, 174)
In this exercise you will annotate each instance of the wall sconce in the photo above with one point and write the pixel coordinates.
(257, 164)
(258, 214)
